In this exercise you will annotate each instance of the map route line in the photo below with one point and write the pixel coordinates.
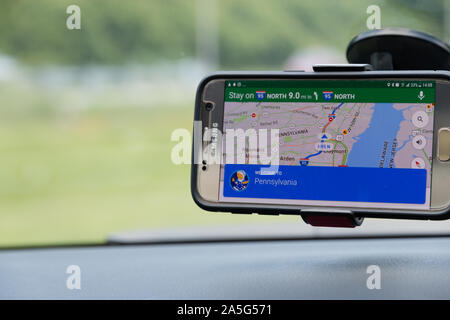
(323, 130)
(331, 118)
(313, 155)
(340, 105)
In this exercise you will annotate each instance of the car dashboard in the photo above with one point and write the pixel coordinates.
(310, 267)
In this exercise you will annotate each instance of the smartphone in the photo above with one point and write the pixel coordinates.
(368, 142)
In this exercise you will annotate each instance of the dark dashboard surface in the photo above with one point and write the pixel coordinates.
(297, 269)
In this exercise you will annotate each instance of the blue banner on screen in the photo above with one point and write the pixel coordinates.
(389, 185)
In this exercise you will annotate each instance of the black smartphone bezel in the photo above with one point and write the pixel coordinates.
(265, 209)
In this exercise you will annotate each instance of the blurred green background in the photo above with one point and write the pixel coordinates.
(86, 115)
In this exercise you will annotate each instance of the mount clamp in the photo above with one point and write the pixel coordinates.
(332, 219)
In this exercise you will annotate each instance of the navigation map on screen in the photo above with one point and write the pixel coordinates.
(344, 143)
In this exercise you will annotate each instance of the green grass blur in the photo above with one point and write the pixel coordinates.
(75, 178)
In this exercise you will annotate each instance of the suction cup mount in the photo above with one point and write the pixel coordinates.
(399, 49)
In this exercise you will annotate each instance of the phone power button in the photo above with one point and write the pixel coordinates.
(444, 144)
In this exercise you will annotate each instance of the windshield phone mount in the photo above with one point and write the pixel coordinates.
(383, 49)
(399, 49)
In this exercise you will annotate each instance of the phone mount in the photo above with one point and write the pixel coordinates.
(382, 49)
(399, 49)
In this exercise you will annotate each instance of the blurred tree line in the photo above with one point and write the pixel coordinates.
(250, 33)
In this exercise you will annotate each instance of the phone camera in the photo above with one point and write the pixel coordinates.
(209, 106)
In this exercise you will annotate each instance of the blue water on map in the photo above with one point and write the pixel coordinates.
(367, 150)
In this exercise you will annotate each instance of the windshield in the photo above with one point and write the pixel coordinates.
(91, 94)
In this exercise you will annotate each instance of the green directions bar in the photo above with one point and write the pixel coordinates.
(330, 91)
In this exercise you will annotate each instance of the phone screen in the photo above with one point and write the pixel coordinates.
(344, 143)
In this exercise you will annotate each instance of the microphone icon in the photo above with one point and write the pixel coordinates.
(421, 95)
